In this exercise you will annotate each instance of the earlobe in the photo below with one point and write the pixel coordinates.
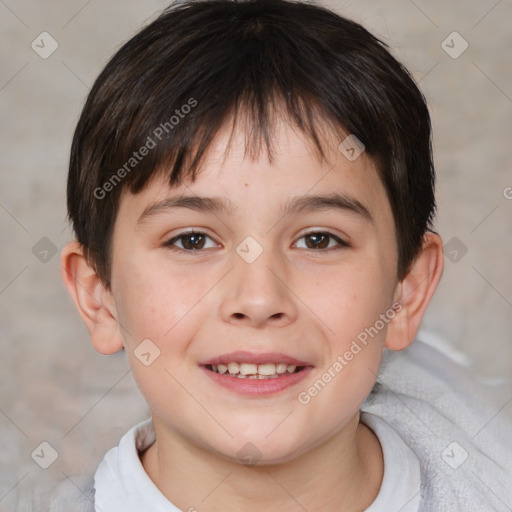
(93, 301)
(415, 291)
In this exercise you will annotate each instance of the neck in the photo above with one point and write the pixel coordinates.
(342, 473)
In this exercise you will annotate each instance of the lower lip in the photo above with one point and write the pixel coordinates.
(257, 387)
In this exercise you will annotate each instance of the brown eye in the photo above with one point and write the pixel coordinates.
(193, 241)
(190, 241)
(318, 241)
(322, 240)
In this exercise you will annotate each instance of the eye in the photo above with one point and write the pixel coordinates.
(190, 241)
(316, 240)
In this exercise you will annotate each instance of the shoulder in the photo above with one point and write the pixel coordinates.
(446, 416)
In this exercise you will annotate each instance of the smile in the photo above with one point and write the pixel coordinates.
(256, 374)
(254, 371)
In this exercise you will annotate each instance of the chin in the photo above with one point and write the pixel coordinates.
(260, 450)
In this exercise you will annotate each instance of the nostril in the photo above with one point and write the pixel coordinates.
(239, 315)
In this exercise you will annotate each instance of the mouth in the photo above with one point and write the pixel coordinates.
(256, 374)
(254, 371)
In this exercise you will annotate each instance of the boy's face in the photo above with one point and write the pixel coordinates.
(256, 283)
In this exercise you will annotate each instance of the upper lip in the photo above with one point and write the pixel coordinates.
(242, 356)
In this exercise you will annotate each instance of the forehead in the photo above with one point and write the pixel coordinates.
(234, 180)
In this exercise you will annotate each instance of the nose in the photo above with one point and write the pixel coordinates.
(258, 294)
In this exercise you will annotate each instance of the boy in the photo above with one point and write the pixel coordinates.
(252, 190)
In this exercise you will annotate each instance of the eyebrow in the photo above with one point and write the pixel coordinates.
(201, 204)
(334, 201)
(296, 205)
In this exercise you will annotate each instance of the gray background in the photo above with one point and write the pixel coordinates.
(55, 387)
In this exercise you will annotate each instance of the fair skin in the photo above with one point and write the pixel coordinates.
(304, 296)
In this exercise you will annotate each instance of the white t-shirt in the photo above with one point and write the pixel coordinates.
(401, 484)
(122, 485)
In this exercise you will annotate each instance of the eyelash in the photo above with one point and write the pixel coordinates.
(170, 243)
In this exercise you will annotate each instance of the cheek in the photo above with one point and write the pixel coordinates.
(152, 303)
(349, 300)
(354, 332)
(158, 306)
(337, 394)
(354, 313)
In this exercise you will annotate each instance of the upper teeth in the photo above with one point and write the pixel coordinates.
(243, 369)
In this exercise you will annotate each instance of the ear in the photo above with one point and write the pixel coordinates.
(415, 291)
(94, 302)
